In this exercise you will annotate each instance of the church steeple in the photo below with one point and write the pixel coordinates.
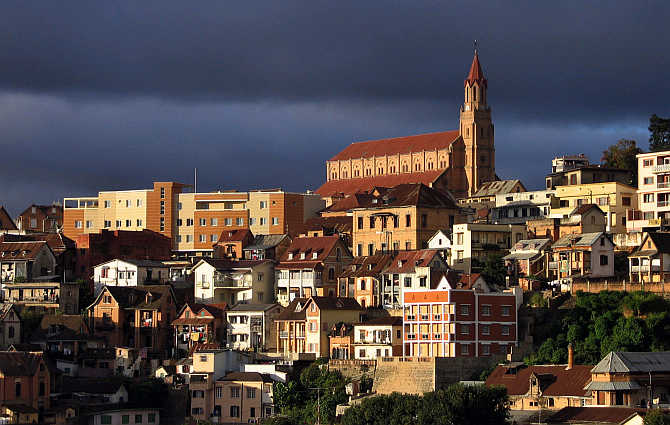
(476, 128)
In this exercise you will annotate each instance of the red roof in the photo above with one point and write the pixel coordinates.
(321, 245)
(476, 74)
(405, 261)
(555, 380)
(237, 235)
(6, 222)
(398, 145)
(365, 184)
(601, 415)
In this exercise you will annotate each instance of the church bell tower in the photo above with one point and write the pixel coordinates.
(476, 129)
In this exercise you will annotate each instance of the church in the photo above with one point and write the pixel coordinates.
(457, 160)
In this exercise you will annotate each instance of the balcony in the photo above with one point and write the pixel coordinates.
(411, 317)
(662, 185)
(283, 334)
(661, 204)
(662, 168)
(411, 336)
(437, 317)
(554, 265)
(232, 281)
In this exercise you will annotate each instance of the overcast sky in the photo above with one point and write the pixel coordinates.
(116, 94)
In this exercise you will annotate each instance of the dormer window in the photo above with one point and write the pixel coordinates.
(399, 263)
(290, 256)
(302, 255)
(149, 298)
(298, 307)
(315, 255)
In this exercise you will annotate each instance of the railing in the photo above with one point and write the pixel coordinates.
(662, 185)
(425, 336)
(425, 317)
(437, 336)
(662, 168)
(662, 203)
(283, 334)
(411, 317)
(411, 336)
(437, 317)
(554, 264)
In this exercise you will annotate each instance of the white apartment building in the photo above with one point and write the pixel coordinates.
(653, 182)
(477, 241)
(232, 282)
(130, 273)
(251, 327)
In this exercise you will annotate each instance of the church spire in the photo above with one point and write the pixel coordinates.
(476, 74)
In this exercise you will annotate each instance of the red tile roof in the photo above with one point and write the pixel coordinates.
(6, 222)
(398, 145)
(405, 261)
(321, 245)
(476, 74)
(600, 415)
(235, 235)
(555, 380)
(20, 250)
(366, 184)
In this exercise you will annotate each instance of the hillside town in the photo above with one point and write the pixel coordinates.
(413, 270)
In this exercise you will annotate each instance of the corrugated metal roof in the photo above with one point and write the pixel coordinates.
(627, 362)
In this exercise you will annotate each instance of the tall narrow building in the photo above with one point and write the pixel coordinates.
(457, 160)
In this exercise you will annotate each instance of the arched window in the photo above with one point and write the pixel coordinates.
(474, 93)
(331, 274)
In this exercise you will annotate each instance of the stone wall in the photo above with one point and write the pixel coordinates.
(354, 369)
(595, 286)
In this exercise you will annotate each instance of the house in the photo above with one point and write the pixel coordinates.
(404, 217)
(243, 397)
(488, 191)
(96, 391)
(341, 341)
(41, 218)
(231, 281)
(64, 336)
(377, 338)
(363, 279)
(63, 248)
(120, 414)
(587, 174)
(527, 258)
(25, 379)
(473, 242)
(267, 247)
(303, 326)
(208, 367)
(587, 254)
(598, 415)
(44, 295)
(441, 241)
(26, 261)
(137, 317)
(130, 272)
(251, 326)
(231, 243)
(587, 218)
(631, 380)
(10, 326)
(653, 200)
(310, 267)
(543, 386)
(6, 222)
(519, 207)
(199, 323)
(463, 317)
(408, 270)
(651, 261)
(329, 225)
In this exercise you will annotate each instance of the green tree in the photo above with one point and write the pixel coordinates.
(494, 271)
(622, 155)
(659, 133)
(656, 417)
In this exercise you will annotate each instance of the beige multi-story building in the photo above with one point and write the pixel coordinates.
(653, 192)
(459, 160)
(193, 221)
(614, 198)
(477, 241)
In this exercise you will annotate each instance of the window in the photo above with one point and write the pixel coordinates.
(189, 238)
(203, 238)
(106, 419)
(234, 411)
(118, 223)
(197, 411)
(603, 260)
(214, 221)
(212, 238)
(359, 250)
(263, 204)
(506, 310)
(203, 222)
(371, 248)
(372, 222)
(486, 310)
(408, 220)
(251, 392)
(125, 419)
(129, 223)
(108, 223)
(424, 220)
(151, 418)
(465, 329)
(465, 349)
(78, 224)
(139, 223)
(239, 221)
(234, 392)
(128, 203)
(422, 281)
(162, 192)
(465, 309)
(252, 221)
(486, 330)
(262, 221)
(648, 180)
(505, 330)
(486, 350)
(648, 197)
(108, 204)
(360, 223)
(219, 392)
(89, 224)
(275, 221)
(138, 419)
(162, 207)
(625, 201)
(647, 162)
(189, 222)
(228, 221)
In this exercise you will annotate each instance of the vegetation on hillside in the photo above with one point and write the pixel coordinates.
(456, 405)
(604, 322)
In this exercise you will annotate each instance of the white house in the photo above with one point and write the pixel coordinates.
(130, 273)
(232, 281)
(441, 241)
(250, 326)
(379, 337)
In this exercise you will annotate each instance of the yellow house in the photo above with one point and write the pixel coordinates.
(614, 199)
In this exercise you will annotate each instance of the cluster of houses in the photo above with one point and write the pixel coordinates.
(222, 294)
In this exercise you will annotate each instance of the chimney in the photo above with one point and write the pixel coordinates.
(571, 357)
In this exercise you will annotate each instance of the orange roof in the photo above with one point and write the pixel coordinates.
(398, 145)
(356, 185)
(476, 74)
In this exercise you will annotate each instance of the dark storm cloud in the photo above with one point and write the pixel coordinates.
(104, 95)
